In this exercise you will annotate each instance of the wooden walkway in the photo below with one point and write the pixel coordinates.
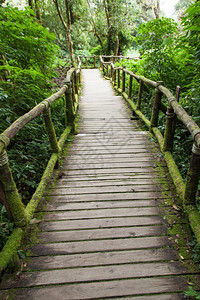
(103, 235)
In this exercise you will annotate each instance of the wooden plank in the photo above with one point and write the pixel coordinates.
(95, 160)
(106, 189)
(103, 213)
(109, 196)
(101, 258)
(115, 288)
(112, 272)
(64, 182)
(99, 164)
(100, 223)
(96, 234)
(54, 206)
(94, 171)
(101, 245)
(110, 177)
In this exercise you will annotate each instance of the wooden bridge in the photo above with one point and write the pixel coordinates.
(105, 233)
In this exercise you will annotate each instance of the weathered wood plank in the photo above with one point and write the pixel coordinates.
(109, 196)
(64, 183)
(101, 258)
(96, 234)
(126, 271)
(101, 245)
(134, 188)
(54, 206)
(114, 288)
(103, 213)
(100, 223)
(130, 170)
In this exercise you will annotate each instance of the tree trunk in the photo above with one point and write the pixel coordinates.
(116, 46)
(38, 13)
(156, 8)
(30, 3)
(67, 27)
(94, 26)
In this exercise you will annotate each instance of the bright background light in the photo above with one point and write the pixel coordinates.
(167, 6)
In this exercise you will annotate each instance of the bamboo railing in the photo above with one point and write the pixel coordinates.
(9, 194)
(174, 112)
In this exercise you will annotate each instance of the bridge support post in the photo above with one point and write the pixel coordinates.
(193, 177)
(118, 78)
(10, 192)
(50, 130)
(130, 86)
(123, 80)
(95, 61)
(140, 94)
(70, 116)
(156, 107)
(169, 132)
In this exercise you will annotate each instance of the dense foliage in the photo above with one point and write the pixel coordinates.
(172, 55)
(29, 53)
(28, 59)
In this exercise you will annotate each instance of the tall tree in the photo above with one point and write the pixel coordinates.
(156, 8)
(67, 26)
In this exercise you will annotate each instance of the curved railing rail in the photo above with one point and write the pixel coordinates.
(187, 191)
(9, 195)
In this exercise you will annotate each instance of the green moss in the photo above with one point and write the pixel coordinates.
(12, 196)
(8, 253)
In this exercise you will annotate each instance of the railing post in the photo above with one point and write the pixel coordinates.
(10, 191)
(114, 76)
(111, 71)
(107, 69)
(70, 106)
(118, 78)
(139, 100)
(123, 80)
(95, 61)
(50, 130)
(156, 107)
(130, 86)
(169, 133)
(193, 176)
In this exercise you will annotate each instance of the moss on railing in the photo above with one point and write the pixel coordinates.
(187, 192)
(20, 215)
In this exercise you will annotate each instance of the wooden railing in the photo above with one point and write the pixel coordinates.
(9, 194)
(174, 111)
(93, 61)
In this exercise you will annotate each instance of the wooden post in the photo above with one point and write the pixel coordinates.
(139, 100)
(123, 80)
(178, 89)
(169, 134)
(156, 107)
(118, 78)
(75, 83)
(95, 61)
(10, 191)
(114, 76)
(111, 72)
(4, 202)
(107, 74)
(69, 106)
(130, 86)
(50, 130)
(193, 177)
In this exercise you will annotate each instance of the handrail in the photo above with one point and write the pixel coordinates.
(186, 191)
(10, 197)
